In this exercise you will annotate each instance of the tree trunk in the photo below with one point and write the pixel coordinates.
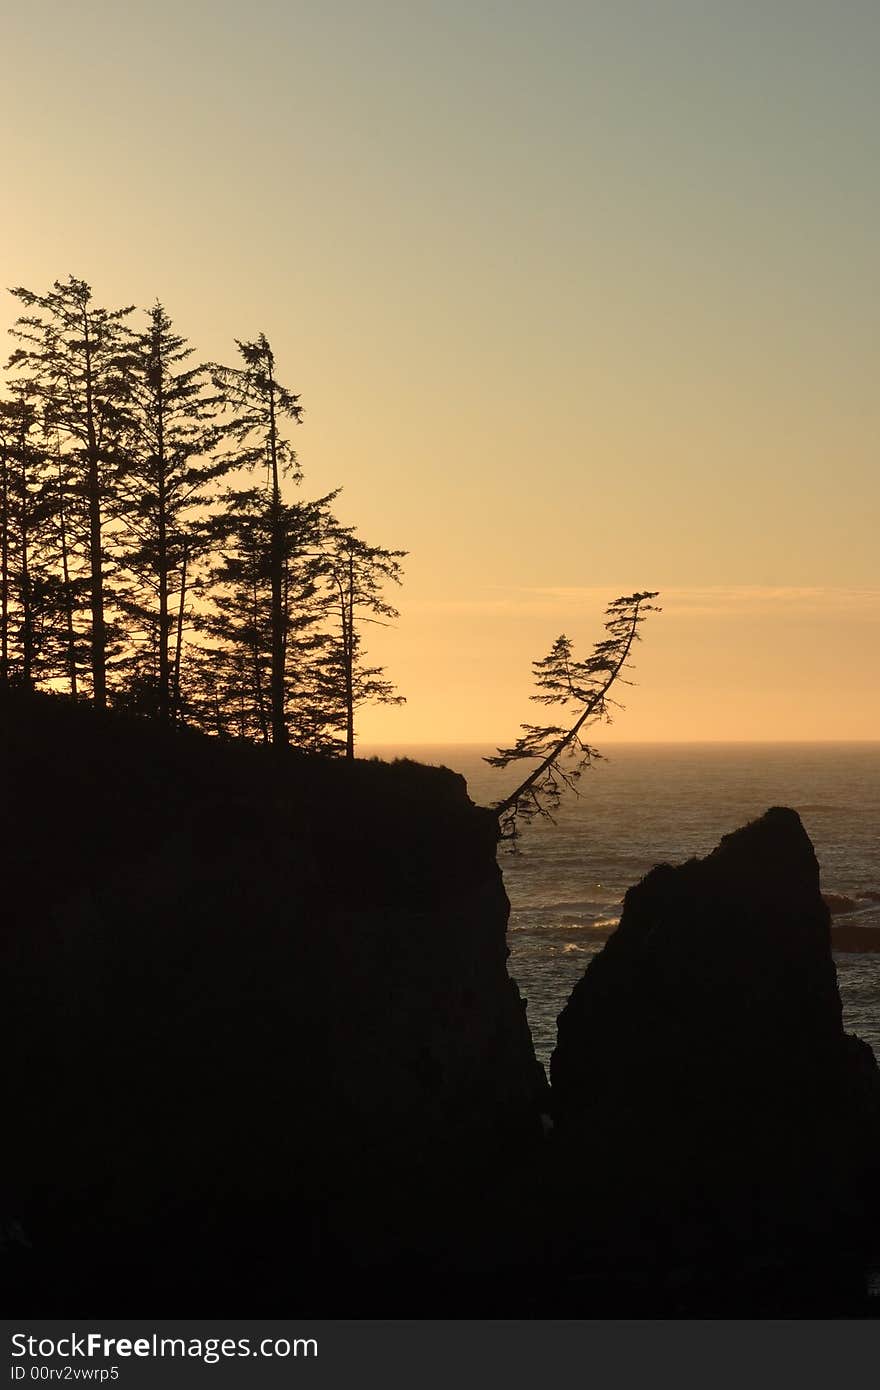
(164, 627)
(99, 640)
(96, 557)
(68, 594)
(348, 653)
(279, 722)
(164, 630)
(349, 710)
(178, 648)
(27, 608)
(4, 571)
(255, 653)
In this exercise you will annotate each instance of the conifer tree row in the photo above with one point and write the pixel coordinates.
(152, 554)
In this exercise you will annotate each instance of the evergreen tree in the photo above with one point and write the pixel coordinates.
(561, 751)
(110, 452)
(357, 575)
(259, 405)
(25, 583)
(77, 357)
(240, 622)
(67, 558)
(6, 539)
(165, 480)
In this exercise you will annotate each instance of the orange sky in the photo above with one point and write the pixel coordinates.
(717, 664)
(580, 299)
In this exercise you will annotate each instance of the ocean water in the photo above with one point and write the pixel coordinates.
(646, 804)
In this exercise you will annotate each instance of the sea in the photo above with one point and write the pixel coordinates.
(646, 804)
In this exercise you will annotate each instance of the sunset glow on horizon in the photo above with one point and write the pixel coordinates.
(579, 299)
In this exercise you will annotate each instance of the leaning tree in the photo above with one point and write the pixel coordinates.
(560, 751)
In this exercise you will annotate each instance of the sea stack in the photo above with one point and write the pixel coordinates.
(702, 1076)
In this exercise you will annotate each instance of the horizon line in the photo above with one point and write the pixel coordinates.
(644, 743)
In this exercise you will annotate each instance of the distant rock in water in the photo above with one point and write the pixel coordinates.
(702, 1068)
(839, 904)
(858, 940)
(852, 936)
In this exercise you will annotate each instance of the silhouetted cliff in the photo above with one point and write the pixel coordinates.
(264, 1055)
(262, 1031)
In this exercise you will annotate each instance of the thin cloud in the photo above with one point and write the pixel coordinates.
(778, 600)
(678, 602)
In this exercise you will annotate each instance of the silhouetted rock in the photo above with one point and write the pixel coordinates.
(703, 1085)
(264, 1047)
(849, 936)
(264, 1055)
(839, 904)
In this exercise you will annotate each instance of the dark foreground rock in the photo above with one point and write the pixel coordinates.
(264, 1058)
(708, 1103)
(263, 1053)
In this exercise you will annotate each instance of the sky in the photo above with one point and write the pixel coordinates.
(580, 298)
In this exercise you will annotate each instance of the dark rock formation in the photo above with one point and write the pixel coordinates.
(263, 1048)
(263, 1055)
(704, 1088)
(850, 936)
(839, 904)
